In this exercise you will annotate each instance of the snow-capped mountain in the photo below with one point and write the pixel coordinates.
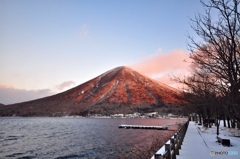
(120, 90)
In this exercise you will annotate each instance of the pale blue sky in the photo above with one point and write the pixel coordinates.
(44, 43)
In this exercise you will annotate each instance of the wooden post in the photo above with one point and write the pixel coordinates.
(180, 138)
(168, 149)
(158, 156)
(176, 144)
(238, 125)
(182, 133)
(173, 148)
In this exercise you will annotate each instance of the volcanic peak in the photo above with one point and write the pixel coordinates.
(120, 90)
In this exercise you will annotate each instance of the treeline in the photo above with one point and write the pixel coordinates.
(213, 88)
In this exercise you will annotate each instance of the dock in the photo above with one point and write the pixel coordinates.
(143, 127)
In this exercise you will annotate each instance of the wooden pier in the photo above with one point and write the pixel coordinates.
(143, 127)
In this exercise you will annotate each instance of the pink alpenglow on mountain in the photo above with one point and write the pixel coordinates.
(120, 90)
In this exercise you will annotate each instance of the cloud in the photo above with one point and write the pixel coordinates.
(161, 66)
(84, 30)
(10, 95)
(65, 85)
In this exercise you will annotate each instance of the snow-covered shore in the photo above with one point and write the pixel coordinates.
(200, 143)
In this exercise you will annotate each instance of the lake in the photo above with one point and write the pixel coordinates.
(86, 138)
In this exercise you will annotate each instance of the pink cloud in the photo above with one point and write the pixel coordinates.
(161, 66)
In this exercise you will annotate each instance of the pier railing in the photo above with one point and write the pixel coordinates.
(172, 146)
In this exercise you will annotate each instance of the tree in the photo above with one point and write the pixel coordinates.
(218, 53)
(201, 95)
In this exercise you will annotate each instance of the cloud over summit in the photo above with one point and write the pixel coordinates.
(161, 66)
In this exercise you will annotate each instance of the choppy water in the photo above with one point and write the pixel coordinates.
(77, 137)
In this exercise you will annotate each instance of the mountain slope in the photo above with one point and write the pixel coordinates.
(120, 90)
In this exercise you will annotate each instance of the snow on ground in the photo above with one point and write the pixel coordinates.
(200, 143)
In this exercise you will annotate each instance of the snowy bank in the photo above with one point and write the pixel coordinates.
(201, 142)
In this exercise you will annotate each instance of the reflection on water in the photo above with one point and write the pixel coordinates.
(78, 137)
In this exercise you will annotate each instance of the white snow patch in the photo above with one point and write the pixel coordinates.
(199, 142)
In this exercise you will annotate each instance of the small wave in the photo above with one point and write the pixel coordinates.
(19, 156)
(14, 155)
(70, 157)
(26, 157)
(12, 138)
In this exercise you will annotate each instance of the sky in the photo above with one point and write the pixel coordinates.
(49, 46)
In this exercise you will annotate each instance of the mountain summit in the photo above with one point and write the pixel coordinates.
(120, 90)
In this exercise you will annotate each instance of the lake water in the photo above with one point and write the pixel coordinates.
(87, 138)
